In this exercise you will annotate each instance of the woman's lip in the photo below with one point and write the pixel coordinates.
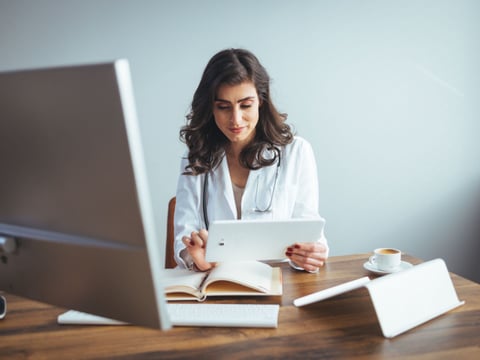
(236, 130)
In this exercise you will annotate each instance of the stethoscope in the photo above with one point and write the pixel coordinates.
(257, 209)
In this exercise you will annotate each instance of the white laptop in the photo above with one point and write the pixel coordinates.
(238, 240)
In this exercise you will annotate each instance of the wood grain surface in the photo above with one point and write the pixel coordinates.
(337, 328)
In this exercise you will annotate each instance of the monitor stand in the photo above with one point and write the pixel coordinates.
(7, 246)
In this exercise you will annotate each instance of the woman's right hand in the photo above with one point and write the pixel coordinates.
(195, 245)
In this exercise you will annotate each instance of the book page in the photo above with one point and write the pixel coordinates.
(177, 281)
(228, 288)
(251, 274)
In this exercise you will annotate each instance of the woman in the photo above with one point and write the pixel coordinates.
(243, 162)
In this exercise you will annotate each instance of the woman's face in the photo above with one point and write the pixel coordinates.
(236, 112)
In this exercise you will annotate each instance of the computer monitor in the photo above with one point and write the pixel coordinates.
(76, 221)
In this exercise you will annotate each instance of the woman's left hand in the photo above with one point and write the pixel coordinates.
(309, 256)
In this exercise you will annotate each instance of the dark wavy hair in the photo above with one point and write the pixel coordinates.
(205, 141)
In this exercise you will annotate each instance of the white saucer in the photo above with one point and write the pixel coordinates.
(370, 267)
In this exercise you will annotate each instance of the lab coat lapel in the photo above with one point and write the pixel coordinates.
(226, 187)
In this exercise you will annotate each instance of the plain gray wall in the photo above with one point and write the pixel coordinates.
(387, 92)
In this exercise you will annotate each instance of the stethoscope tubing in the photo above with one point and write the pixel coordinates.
(204, 196)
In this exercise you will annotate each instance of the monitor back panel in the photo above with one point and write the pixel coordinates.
(69, 193)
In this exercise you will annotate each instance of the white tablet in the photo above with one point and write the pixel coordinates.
(237, 240)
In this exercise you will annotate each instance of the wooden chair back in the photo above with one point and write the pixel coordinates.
(169, 251)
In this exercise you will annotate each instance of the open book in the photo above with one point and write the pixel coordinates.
(243, 278)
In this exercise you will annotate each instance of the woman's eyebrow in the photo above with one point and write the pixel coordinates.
(238, 101)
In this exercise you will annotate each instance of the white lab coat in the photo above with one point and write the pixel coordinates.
(295, 195)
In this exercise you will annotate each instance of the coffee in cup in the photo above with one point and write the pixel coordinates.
(386, 259)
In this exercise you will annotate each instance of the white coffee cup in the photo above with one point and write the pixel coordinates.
(386, 259)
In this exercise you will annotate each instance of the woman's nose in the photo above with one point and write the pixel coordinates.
(236, 116)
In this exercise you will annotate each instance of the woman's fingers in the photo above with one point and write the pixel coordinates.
(197, 240)
(187, 241)
(307, 261)
(309, 256)
(195, 245)
(203, 234)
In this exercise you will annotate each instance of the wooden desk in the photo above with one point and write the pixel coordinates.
(342, 327)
